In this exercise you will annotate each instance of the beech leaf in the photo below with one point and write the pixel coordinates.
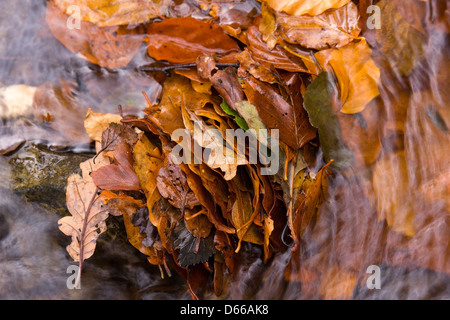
(318, 103)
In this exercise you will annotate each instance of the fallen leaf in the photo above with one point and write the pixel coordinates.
(61, 111)
(306, 7)
(331, 29)
(193, 250)
(277, 57)
(276, 113)
(120, 175)
(242, 215)
(394, 203)
(356, 72)
(172, 185)
(321, 115)
(107, 13)
(88, 213)
(110, 47)
(182, 40)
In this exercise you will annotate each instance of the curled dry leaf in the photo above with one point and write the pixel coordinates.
(87, 220)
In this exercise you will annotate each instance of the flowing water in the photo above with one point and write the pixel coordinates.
(390, 210)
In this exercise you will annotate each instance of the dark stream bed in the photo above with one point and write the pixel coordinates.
(33, 176)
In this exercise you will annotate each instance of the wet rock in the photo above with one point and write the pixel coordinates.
(40, 175)
(34, 262)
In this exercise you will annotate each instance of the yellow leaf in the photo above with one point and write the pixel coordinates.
(305, 7)
(147, 162)
(106, 13)
(356, 72)
(96, 123)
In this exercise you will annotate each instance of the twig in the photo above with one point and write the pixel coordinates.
(166, 70)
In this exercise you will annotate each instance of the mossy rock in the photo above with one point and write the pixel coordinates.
(40, 175)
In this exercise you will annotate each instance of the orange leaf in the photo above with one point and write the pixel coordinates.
(182, 40)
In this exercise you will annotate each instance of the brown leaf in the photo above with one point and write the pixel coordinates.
(172, 185)
(309, 204)
(110, 47)
(88, 213)
(243, 217)
(182, 40)
(357, 74)
(111, 13)
(228, 86)
(394, 203)
(168, 116)
(119, 176)
(290, 119)
(333, 28)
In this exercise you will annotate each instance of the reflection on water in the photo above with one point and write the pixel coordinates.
(391, 209)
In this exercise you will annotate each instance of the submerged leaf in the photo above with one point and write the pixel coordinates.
(318, 103)
(356, 72)
(305, 7)
(182, 40)
(111, 47)
(193, 250)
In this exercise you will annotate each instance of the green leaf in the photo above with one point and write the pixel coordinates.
(317, 103)
(240, 121)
